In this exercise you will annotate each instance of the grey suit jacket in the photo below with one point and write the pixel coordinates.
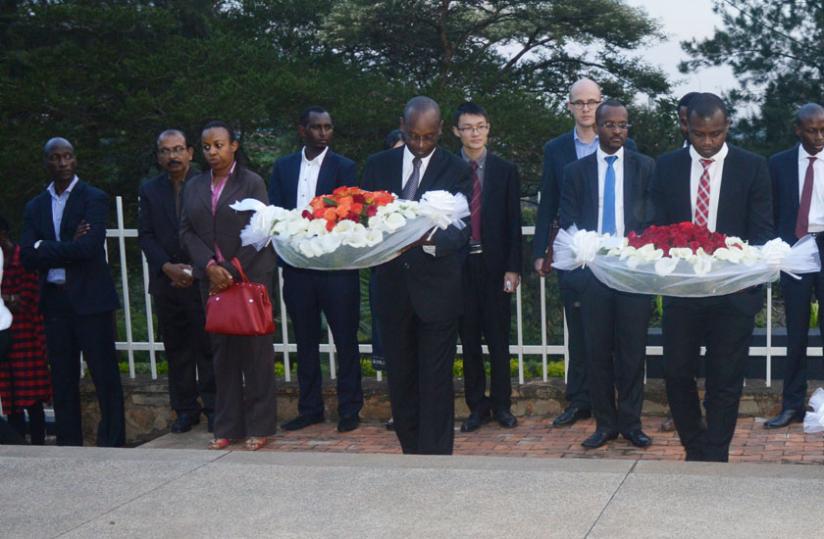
(200, 231)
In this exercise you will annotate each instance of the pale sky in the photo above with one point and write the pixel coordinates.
(681, 20)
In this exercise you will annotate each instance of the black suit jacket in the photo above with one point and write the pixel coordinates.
(199, 230)
(558, 153)
(744, 207)
(432, 283)
(501, 216)
(158, 228)
(785, 190)
(89, 284)
(579, 200)
(335, 171)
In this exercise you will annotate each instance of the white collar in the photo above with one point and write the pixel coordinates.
(318, 160)
(719, 156)
(68, 189)
(409, 156)
(803, 155)
(602, 154)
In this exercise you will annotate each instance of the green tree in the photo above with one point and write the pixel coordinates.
(774, 48)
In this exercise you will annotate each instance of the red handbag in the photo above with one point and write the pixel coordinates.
(242, 309)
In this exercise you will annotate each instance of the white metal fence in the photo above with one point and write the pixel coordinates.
(519, 348)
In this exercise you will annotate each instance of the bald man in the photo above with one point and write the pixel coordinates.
(63, 238)
(419, 298)
(584, 98)
(798, 204)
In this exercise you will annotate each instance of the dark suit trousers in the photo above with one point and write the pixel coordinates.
(726, 331)
(615, 326)
(419, 359)
(244, 367)
(336, 294)
(577, 387)
(797, 296)
(487, 313)
(181, 321)
(67, 335)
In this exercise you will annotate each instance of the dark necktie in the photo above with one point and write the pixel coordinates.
(411, 187)
(802, 222)
(475, 203)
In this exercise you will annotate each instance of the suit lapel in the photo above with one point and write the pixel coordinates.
(727, 196)
(72, 204)
(432, 173)
(569, 147)
(326, 175)
(682, 199)
(792, 166)
(230, 190)
(48, 217)
(167, 198)
(396, 178)
(630, 175)
(591, 175)
(491, 186)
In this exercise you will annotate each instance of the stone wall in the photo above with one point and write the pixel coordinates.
(148, 414)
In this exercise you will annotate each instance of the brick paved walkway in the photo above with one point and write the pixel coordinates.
(534, 437)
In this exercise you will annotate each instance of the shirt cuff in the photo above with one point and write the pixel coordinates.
(37, 243)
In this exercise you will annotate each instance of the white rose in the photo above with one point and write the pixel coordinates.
(373, 237)
(666, 265)
(394, 221)
(344, 227)
(702, 264)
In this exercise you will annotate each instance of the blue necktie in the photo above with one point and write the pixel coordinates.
(608, 222)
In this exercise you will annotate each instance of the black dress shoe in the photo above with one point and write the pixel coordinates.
(185, 422)
(348, 423)
(390, 424)
(638, 438)
(598, 439)
(784, 418)
(570, 416)
(505, 419)
(475, 420)
(302, 421)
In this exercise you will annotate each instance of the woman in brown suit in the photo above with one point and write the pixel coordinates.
(245, 404)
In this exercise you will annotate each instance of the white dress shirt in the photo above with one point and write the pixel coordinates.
(716, 170)
(407, 166)
(618, 166)
(5, 314)
(816, 217)
(308, 178)
(58, 275)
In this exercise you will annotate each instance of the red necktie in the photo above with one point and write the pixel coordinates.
(802, 222)
(702, 203)
(475, 203)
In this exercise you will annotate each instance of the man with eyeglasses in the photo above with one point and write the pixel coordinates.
(419, 299)
(491, 272)
(176, 296)
(584, 98)
(609, 192)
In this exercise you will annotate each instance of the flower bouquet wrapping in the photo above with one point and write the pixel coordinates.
(349, 228)
(682, 259)
(814, 418)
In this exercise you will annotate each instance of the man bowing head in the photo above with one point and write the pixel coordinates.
(419, 292)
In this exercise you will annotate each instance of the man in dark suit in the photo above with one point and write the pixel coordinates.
(584, 98)
(63, 238)
(610, 192)
(176, 295)
(492, 271)
(727, 190)
(296, 179)
(798, 202)
(419, 292)
(683, 125)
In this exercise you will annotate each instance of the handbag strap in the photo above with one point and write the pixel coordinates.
(239, 268)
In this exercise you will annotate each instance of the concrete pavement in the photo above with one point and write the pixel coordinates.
(90, 492)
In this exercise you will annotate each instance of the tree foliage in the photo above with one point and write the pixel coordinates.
(775, 50)
(109, 75)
